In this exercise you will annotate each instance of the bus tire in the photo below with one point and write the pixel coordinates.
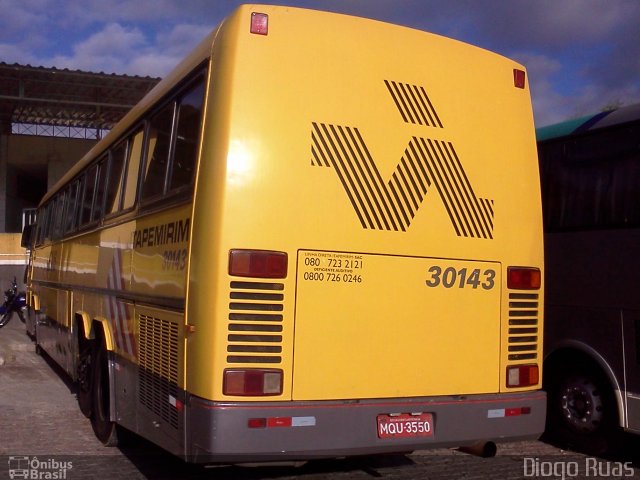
(86, 359)
(104, 429)
(581, 409)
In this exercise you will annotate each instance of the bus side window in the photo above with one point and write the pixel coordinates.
(70, 218)
(46, 224)
(40, 224)
(158, 146)
(188, 130)
(133, 168)
(58, 210)
(101, 186)
(114, 185)
(87, 197)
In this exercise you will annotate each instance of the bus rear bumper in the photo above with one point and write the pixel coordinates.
(251, 432)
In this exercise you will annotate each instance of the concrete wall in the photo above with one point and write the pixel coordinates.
(4, 159)
(13, 261)
(29, 166)
(51, 154)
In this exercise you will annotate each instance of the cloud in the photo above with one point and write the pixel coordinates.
(591, 45)
(108, 50)
(549, 104)
(544, 24)
(24, 16)
(168, 49)
(120, 49)
(181, 39)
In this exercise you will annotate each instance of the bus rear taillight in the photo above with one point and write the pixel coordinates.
(257, 263)
(522, 376)
(524, 278)
(252, 382)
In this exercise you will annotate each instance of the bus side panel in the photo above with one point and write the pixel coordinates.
(595, 312)
(160, 254)
(160, 396)
(631, 337)
(53, 330)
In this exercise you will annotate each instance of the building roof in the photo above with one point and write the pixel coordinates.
(70, 98)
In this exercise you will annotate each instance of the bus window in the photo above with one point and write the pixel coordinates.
(158, 144)
(87, 198)
(101, 185)
(114, 186)
(70, 216)
(133, 167)
(45, 229)
(189, 115)
(58, 211)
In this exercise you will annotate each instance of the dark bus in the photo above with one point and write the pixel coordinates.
(590, 175)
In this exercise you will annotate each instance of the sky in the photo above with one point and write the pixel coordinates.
(582, 56)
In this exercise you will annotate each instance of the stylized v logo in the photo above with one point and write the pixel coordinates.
(392, 205)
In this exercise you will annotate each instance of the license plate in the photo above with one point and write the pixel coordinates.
(405, 425)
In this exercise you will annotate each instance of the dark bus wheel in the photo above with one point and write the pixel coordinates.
(581, 411)
(85, 378)
(103, 427)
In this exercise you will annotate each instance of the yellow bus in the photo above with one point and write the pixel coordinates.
(319, 236)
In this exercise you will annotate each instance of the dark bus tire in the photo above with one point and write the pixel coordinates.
(104, 429)
(581, 409)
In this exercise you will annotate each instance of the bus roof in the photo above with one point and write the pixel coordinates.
(590, 122)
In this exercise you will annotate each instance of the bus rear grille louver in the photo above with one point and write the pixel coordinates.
(255, 323)
(158, 372)
(523, 326)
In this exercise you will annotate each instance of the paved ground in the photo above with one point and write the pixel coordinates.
(44, 435)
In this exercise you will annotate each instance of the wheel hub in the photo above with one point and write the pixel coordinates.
(581, 405)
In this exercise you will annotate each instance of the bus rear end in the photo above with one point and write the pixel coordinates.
(366, 251)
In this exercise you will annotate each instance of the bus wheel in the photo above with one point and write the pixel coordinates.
(102, 425)
(581, 410)
(85, 377)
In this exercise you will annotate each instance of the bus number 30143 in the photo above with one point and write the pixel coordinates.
(462, 278)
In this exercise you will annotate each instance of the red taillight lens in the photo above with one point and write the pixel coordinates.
(524, 278)
(252, 382)
(519, 77)
(259, 23)
(522, 376)
(257, 264)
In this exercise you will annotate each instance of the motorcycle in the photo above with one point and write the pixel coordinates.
(13, 302)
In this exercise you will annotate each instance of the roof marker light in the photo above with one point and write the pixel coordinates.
(259, 23)
(519, 77)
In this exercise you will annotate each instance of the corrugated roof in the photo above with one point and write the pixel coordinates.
(70, 98)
